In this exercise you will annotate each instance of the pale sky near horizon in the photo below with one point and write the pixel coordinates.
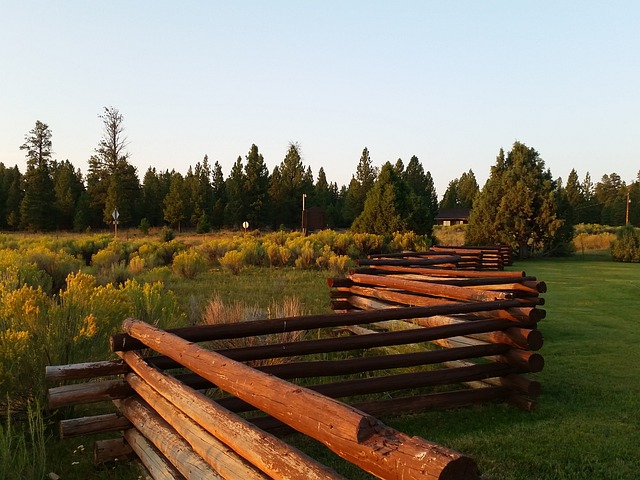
(448, 81)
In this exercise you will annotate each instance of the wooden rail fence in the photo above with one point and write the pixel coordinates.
(424, 333)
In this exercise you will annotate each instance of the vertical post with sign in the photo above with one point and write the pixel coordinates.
(304, 224)
(115, 214)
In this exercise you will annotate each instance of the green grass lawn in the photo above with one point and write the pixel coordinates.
(587, 425)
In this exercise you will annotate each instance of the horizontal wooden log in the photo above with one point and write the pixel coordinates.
(156, 464)
(203, 333)
(172, 446)
(515, 337)
(77, 427)
(78, 394)
(111, 450)
(308, 347)
(79, 371)
(388, 383)
(407, 405)
(438, 260)
(218, 455)
(306, 411)
(58, 373)
(522, 338)
(265, 451)
(407, 299)
(441, 272)
(438, 290)
(518, 384)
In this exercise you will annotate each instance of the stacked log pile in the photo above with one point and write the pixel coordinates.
(473, 335)
(384, 283)
(462, 257)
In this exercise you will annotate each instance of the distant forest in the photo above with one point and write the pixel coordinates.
(54, 195)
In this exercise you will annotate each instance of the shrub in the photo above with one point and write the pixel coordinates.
(24, 331)
(167, 234)
(253, 252)
(409, 241)
(626, 246)
(145, 225)
(593, 241)
(342, 243)
(111, 255)
(232, 261)
(167, 250)
(15, 272)
(189, 264)
(215, 249)
(339, 265)
(306, 256)
(56, 264)
(203, 225)
(368, 243)
(151, 303)
(271, 251)
(136, 265)
(449, 235)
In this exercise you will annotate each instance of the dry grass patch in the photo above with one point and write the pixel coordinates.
(217, 312)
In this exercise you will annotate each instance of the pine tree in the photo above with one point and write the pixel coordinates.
(286, 186)
(112, 182)
(174, 208)
(68, 186)
(256, 188)
(219, 196)
(611, 193)
(359, 186)
(39, 196)
(235, 211)
(517, 205)
(10, 197)
(386, 209)
(153, 194)
(423, 197)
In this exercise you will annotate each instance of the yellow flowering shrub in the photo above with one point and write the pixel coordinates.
(189, 264)
(232, 261)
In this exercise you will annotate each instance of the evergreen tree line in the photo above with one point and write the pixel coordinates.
(54, 194)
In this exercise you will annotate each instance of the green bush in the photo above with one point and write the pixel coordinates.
(57, 264)
(253, 252)
(232, 261)
(409, 241)
(626, 246)
(213, 250)
(306, 256)
(145, 225)
(368, 243)
(167, 234)
(189, 264)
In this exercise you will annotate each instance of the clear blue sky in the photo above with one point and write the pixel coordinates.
(448, 81)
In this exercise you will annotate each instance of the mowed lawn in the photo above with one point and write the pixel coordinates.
(587, 425)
